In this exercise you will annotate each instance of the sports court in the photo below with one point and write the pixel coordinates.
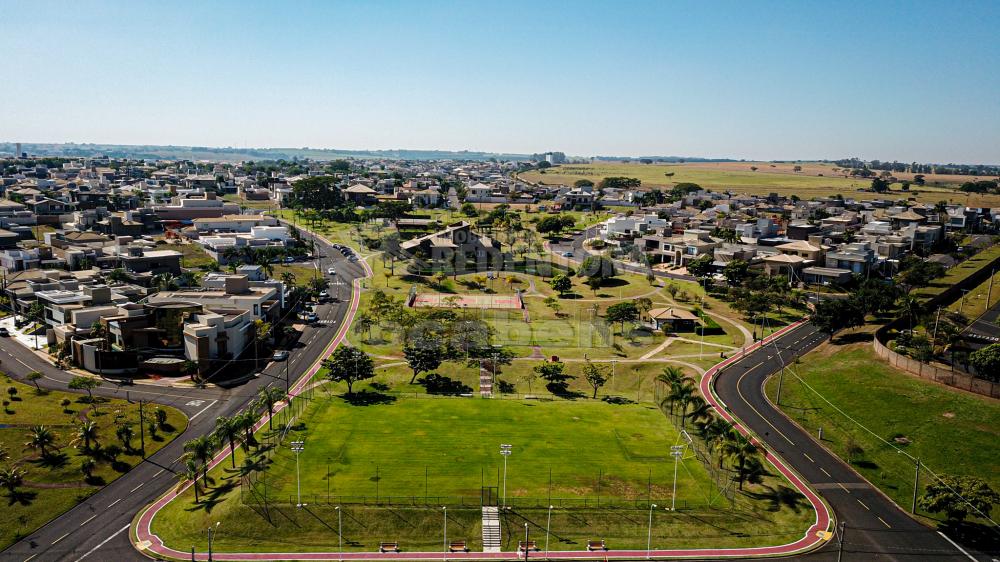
(444, 300)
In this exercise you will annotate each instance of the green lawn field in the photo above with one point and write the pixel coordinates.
(952, 432)
(55, 484)
(413, 456)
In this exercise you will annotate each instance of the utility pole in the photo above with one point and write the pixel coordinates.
(649, 530)
(445, 548)
(916, 484)
(505, 450)
(675, 451)
(340, 534)
(297, 448)
(938, 317)
(526, 549)
(781, 375)
(142, 430)
(548, 525)
(840, 547)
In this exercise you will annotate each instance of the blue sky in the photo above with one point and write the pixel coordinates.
(777, 80)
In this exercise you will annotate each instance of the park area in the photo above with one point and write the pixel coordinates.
(392, 462)
(952, 432)
(46, 467)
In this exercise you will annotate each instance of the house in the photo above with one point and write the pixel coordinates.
(628, 226)
(457, 246)
(672, 319)
(361, 194)
(137, 260)
(190, 208)
(233, 223)
(237, 294)
(825, 276)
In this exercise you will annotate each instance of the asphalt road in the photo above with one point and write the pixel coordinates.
(97, 529)
(876, 529)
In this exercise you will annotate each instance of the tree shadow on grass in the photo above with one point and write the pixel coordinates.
(21, 497)
(368, 398)
(780, 497)
(617, 400)
(434, 383)
(51, 460)
(561, 389)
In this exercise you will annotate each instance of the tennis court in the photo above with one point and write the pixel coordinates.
(444, 300)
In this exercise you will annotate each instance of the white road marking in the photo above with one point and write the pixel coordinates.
(137, 487)
(60, 538)
(825, 472)
(842, 486)
(960, 549)
(863, 505)
(210, 404)
(158, 472)
(30, 557)
(808, 457)
(104, 542)
(88, 520)
(114, 502)
(889, 526)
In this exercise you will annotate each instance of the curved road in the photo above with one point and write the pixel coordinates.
(96, 529)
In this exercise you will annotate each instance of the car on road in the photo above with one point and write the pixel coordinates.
(331, 271)
(309, 316)
(289, 259)
(323, 296)
(567, 254)
(4, 332)
(279, 355)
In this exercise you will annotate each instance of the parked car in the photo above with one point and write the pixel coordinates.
(323, 295)
(331, 271)
(289, 259)
(4, 332)
(279, 355)
(309, 316)
(567, 254)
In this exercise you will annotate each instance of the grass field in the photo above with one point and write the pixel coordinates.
(952, 432)
(413, 456)
(959, 272)
(738, 177)
(54, 484)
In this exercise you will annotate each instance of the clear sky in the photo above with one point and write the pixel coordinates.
(783, 80)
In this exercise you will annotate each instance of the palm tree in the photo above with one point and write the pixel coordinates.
(40, 438)
(739, 449)
(261, 330)
(288, 278)
(911, 306)
(12, 478)
(268, 397)
(117, 275)
(125, 434)
(693, 407)
(190, 472)
(680, 393)
(714, 432)
(87, 467)
(246, 420)
(86, 433)
(200, 449)
(164, 282)
(228, 429)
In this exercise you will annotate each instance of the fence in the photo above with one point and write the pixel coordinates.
(948, 377)
(475, 502)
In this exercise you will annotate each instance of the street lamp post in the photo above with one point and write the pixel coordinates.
(526, 549)
(297, 448)
(505, 450)
(649, 530)
(445, 548)
(340, 534)
(212, 531)
(676, 451)
(548, 525)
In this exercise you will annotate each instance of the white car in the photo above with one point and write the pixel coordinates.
(331, 271)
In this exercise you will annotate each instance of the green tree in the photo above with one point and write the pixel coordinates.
(735, 272)
(469, 210)
(598, 267)
(200, 449)
(228, 430)
(700, 267)
(87, 435)
(561, 284)
(34, 377)
(40, 438)
(267, 397)
(622, 312)
(596, 375)
(349, 365)
(190, 472)
(125, 433)
(11, 478)
(423, 357)
(986, 362)
(958, 497)
(833, 315)
(741, 451)
(87, 467)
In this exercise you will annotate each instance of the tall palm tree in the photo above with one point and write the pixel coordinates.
(714, 432)
(200, 448)
(261, 331)
(740, 450)
(11, 478)
(86, 433)
(268, 397)
(228, 430)
(164, 282)
(245, 422)
(680, 392)
(693, 407)
(41, 438)
(190, 472)
(288, 278)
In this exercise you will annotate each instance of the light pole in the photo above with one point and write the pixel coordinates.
(548, 525)
(649, 530)
(340, 534)
(675, 451)
(445, 549)
(297, 448)
(505, 450)
(614, 362)
(526, 549)
(212, 531)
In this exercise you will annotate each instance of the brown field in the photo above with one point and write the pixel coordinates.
(817, 168)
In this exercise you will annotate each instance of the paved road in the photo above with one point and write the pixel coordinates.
(97, 528)
(876, 527)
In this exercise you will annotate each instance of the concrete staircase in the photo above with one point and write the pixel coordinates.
(491, 529)
(485, 383)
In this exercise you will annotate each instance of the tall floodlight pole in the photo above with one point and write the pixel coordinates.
(649, 530)
(340, 534)
(548, 525)
(212, 531)
(675, 451)
(444, 509)
(526, 549)
(505, 450)
(297, 448)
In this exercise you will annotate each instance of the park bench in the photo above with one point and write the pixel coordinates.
(530, 546)
(458, 546)
(388, 547)
(596, 545)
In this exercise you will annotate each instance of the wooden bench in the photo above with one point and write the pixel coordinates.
(530, 544)
(388, 547)
(458, 546)
(596, 545)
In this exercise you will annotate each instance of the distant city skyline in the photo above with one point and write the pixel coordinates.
(913, 81)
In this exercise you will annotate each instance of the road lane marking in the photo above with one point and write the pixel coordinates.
(954, 544)
(842, 486)
(863, 505)
(889, 526)
(137, 487)
(60, 538)
(808, 457)
(88, 520)
(114, 502)
(760, 415)
(158, 472)
(210, 404)
(104, 542)
(30, 557)
(825, 472)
